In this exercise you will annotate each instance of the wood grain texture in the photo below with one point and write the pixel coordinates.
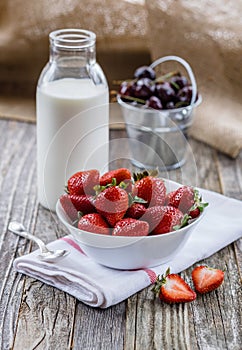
(36, 316)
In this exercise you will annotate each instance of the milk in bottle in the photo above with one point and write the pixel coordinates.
(72, 113)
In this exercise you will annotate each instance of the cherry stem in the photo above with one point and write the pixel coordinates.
(135, 99)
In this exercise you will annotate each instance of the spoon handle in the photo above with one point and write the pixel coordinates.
(31, 237)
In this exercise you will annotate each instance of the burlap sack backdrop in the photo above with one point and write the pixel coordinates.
(120, 27)
(208, 34)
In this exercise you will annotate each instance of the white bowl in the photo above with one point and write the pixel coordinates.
(130, 252)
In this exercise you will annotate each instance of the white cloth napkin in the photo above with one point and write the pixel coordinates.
(99, 286)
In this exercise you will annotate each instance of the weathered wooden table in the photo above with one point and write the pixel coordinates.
(36, 316)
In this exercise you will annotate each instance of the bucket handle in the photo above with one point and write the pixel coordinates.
(186, 66)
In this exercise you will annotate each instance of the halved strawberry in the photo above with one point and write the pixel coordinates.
(112, 203)
(206, 279)
(187, 199)
(163, 219)
(151, 189)
(95, 223)
(120, 175)
(131, 227)
(171, 288)
(83, 182)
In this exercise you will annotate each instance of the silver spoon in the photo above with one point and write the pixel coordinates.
(45, 253)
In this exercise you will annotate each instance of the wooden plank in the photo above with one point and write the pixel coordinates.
(99, 329)
(30, 313)
(45, 318)
(12, 164)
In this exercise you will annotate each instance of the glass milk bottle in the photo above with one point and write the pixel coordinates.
(72, 113)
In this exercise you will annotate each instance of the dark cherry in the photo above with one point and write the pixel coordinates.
(143, 88)
(178, 82)
(165, 92)
(175, 93)
(170, 105)
(145, 72)
(185, 94)
(126, 89)
(154, 102)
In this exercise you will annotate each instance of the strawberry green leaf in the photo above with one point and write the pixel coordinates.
(198, 201)
(135, 199)
(98, 188)
(123, 185)
(184, 222)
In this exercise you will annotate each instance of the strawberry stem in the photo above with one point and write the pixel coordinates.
(145, 173)
(160, 280)
(133, 99)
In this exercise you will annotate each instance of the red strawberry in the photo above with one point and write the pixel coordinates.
(120, 175)
(112, 203)
(187, 199)
(131, 227)
(182, 198)
(168, 196)
(151, 189)
(206, 279)
(68, 207)
(194, 213)
(95, 223)
(82, 203)
(173, 289)
(136, 211)
(163, 219)
(83, 182)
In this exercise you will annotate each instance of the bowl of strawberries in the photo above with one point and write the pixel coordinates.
(129, 221)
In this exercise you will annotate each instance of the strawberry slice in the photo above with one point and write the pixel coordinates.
(171, 288)
(95, 223)
(112, 203)
(164, 219)
(120, 175)
(206, 279)
(131, 227)
(83, 182)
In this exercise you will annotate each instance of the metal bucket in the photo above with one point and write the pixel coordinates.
(157, 138)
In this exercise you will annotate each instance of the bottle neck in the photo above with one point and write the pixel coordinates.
(72, 47)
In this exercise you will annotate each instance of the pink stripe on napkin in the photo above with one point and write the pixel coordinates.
(70, 241)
